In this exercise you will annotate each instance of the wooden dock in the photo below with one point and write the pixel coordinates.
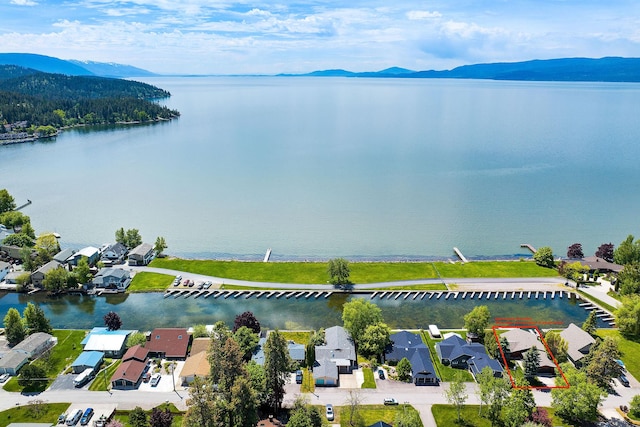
(528, 246)
(267, 255)
(459, 254)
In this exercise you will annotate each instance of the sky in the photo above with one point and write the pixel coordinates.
(297, 36)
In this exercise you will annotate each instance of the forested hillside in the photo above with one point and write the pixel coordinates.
(56, 100)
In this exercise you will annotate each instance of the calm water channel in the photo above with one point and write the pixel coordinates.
(323, 167)
(147, 311)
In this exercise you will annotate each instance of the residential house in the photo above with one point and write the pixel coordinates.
(130, 372)
(114, 254)
(64, 255)
(199, 344)
(35, 344)
(92, 254)
(141, 254)
(296, 352)
(380, 424)
(521, 340)
(112, 278)
(597, 264)
(196, 365)
(12, 361)
(112, 343)
(579, 343)
(408, 345)
(460, 354)
(5, 268)
(38, 276)
(169, 343)
(13, 252)
(338, 353)
(87, 360)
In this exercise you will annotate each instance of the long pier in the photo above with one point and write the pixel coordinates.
(267, 255)
(24, 205)
(459, 254)
(530, 247)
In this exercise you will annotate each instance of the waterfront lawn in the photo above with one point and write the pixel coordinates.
(494, 269)
(445, 373)
(298, 337)
(43, 413)
(103, 379)
(597, 301)
(371, 414)
(447, 416)
(629, 350)
(369, 380)
(421, 287)
(150, 282)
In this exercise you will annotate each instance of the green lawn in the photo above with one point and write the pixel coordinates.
(123, 416)
(628, 348)
(422, 287)
(308, 384)
(445, 373)
(150, 282)
(369, 380)
(46, 413)
(494, 269)
(447, 416)
(597, 301)
(103, 379)
(371, 413)
(298, 337)
(361, 272)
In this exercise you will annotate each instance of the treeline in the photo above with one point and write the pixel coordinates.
(44, 99)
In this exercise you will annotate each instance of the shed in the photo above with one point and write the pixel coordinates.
(87, 360)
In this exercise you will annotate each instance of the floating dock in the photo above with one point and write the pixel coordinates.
(459, 254)
(267, 255)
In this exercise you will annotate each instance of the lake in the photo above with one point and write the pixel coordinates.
(316, 168)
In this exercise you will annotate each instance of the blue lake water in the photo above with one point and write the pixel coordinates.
(362, 168)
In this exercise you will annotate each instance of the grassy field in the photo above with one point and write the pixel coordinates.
(370, 413)
(361, 272)
(123, 416)
(421, 287)
(369, 380)
(445, 373)
(629, 349)
(44, 413)
(150, 282)
(308, 384)
(597, 301)
(447, 416)
(99, 383)
(298, 337)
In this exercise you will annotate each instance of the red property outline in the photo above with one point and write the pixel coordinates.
(521, 323)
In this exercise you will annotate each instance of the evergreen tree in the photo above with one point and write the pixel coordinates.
(404, 369)
(531, 360)
(138, 418)
(591, 324)
(276, 366)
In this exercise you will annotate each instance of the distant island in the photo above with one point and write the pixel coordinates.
(35, 104)
(609, 69)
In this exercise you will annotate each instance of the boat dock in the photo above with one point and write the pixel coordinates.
(530, 247)
(267, 255)
(459, 254)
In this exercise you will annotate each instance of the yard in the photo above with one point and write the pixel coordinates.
(445, 373)
(123, 416)
(447, 416)
(629, 350)
(369, 413)
(37, 413)
(150, 282)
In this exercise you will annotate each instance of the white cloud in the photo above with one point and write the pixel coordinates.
(24, 2)
(418, 15)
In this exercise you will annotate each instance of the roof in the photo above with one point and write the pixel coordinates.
(200, 344)
(88, 358)
(173, 342)
(258, 354)
(454, 347)
(131, 370)
(478, 362)
(421, 363)
(116, 272)
(196, 365)
(380, 424)
(4, 265)
(521, 341)
(104, 331)
(410, 345)
(338, 345)
(577, 340)
(33, 342)
(13, 359)
(296, 351)
(141, 250)
(137, 352)
(326, 369)
(89, 251)
(117, 248)
(105, 342)
(64, 255)
(596, 263)
(51, 265)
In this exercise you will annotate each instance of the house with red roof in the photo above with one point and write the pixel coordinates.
(130, 372)
(169, 343)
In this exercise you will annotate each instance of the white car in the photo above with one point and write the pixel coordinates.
(329, 411)
(155, 379)
(4, 378)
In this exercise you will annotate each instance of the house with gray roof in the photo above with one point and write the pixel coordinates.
(521, 340)
(114, 253)
(35, 344)
(38, 276)
(64, 255)
(141, 254)
(408, 345)
(458, 353)
(112, 278)
(12, 361)
(579, 343)
(339, 348)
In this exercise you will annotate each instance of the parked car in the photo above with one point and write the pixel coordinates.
(390, 401)
(155, 379)
(4, 378)
(73, 420)
(623, 380)
(185, 282)
(62, 418)
(298, 377)
(86, 416)
(380, 374)
(621, 364)
(329, 411)
(207, 284)
(178, 278)
(200, 285)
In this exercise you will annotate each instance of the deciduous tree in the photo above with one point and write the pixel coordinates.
(557, 345)
(138, 418)
(48, 243)
(247, 319)
(375, 339)
(602, 367)
(133, 238)
(304, 415)
(629, 279)
(258, 381)
(136, 338)
(605, 251)
(575, 251)
(82, 271)
(35, 319)
(628, 316)
(404, 369)
(201, 406)
(247, 340)
(544, 257)
(160, 245)
(477, 320)
(519, 405)
(627, 252)
(578, 403)
(112, 321)
(14, 327)
(7, 202)
(338, 270)
(540, 416)
(493, 392)
(160, 418)
(456, 395)
(634, 406)
(18, 239)
(32, 376)
(357, 315)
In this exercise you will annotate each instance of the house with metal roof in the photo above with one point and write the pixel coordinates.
(38, 276)
(579, 343)
(169, 343)
(87, 360)
(64, 255)
(521, 340)
(5, 267)
(408, 345)
(112, 343)
(460, 354)
(35, 344)
(12, 361)
(141, 254)
(92, 254)
(112, 278)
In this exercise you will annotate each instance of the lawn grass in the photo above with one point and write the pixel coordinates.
(602, 304)
(421, 287)
(49, 413)
(372, 413)
(308, 384)
(361, 272)
(123, 416)
(494, 269)
(447, 416)
(99, 383)
(298, 337)
(369, 380)
(629, 350)
(150, 282)
(445, 373)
